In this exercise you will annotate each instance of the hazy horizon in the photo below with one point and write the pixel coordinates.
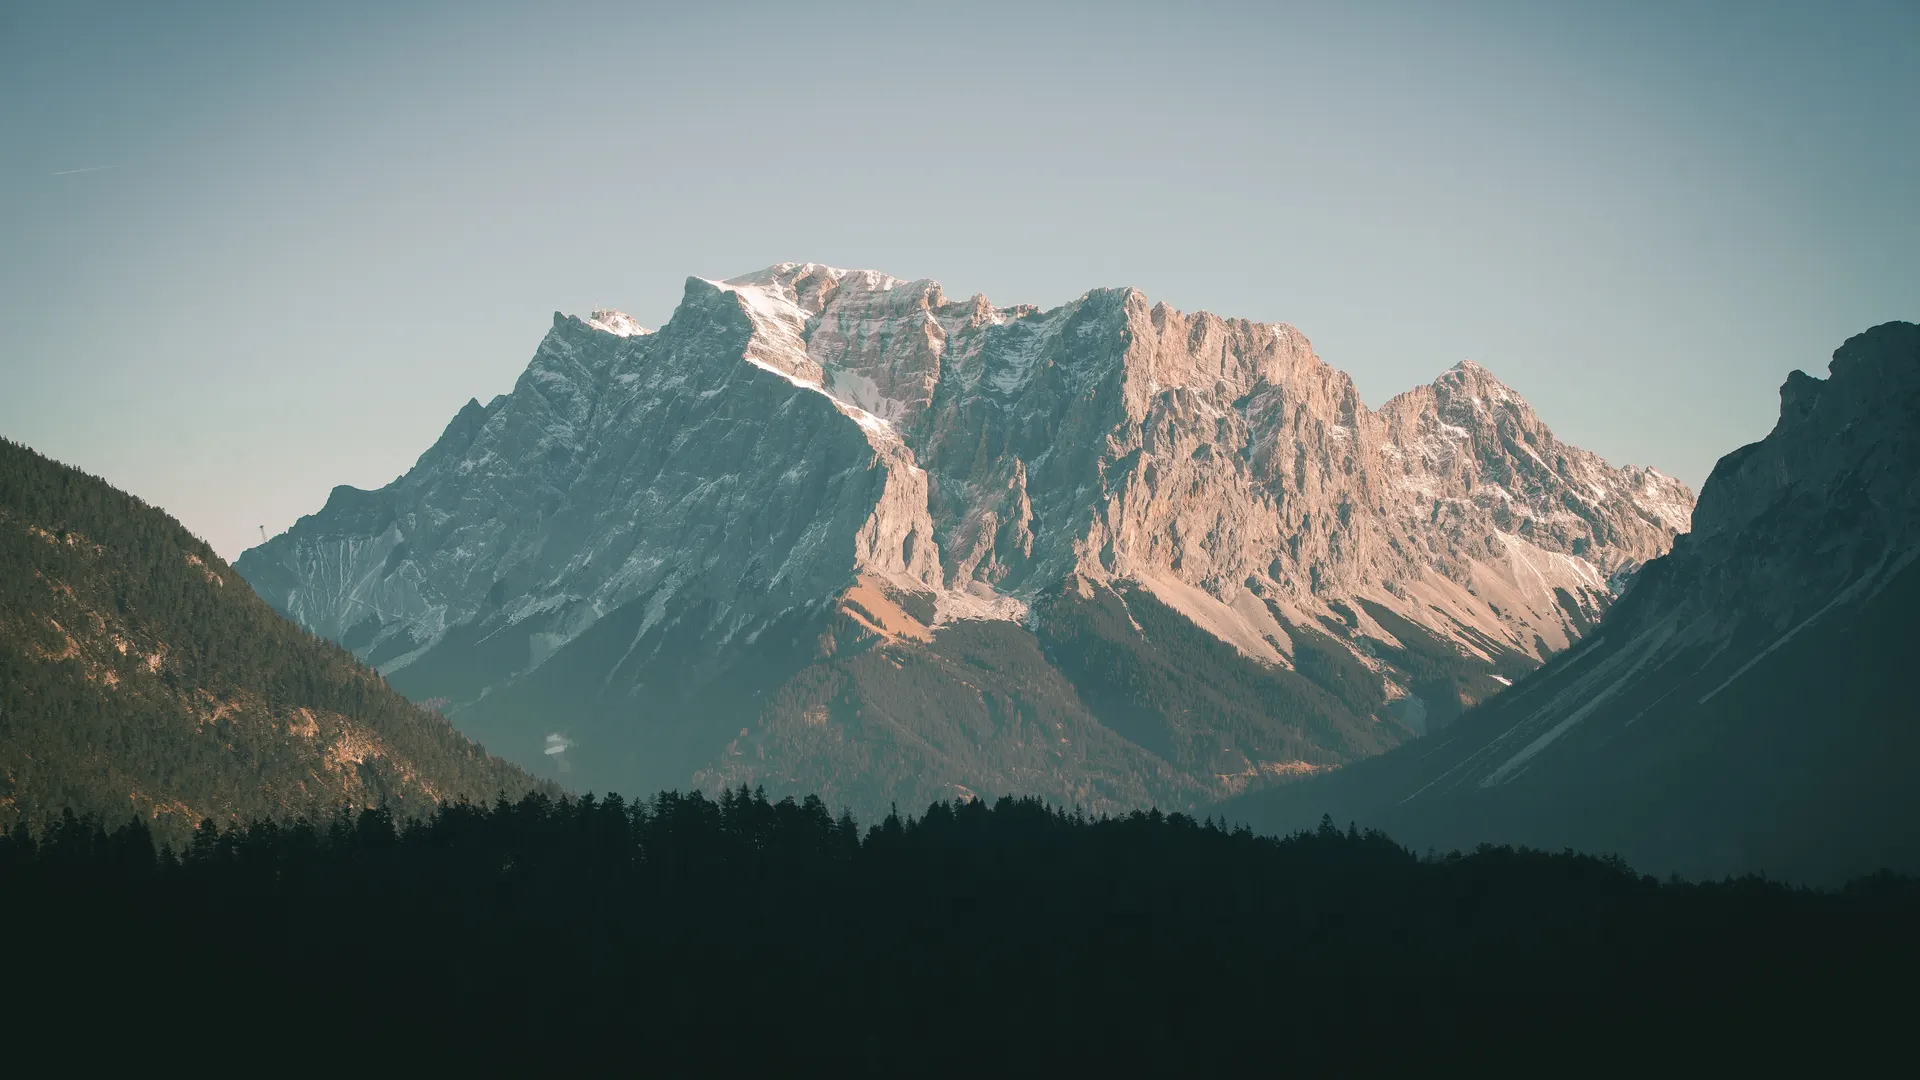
(254, 254)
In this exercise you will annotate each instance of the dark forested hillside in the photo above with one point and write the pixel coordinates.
(689, 936)
(140, 676)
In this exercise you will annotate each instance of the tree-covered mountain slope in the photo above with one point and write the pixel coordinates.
(1748, 705)
(139, 675)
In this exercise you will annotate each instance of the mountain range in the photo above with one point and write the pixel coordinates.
(1734, 704)
(1745, 705)
(833, 531)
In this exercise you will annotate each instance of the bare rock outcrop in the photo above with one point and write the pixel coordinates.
(796, 433)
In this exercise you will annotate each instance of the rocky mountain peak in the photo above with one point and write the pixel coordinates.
(810, 286)
(1746, 702)
(1844, 442)
(617, 323)
(807, 439)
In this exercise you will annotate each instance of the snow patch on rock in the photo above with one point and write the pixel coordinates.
(617, 323)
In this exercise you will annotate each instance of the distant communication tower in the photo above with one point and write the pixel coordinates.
(263, 534)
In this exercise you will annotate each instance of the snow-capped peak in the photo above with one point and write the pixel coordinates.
(788, 273)
(810, 285)
(617, 323)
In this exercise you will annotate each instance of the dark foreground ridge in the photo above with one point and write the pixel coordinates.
(687, 935)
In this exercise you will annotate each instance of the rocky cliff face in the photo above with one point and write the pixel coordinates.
(806, 464)
(1745, 706)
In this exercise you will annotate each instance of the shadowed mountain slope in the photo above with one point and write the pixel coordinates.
(1748, 705)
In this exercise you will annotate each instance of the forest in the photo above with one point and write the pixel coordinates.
(140, 674)
(685, 934)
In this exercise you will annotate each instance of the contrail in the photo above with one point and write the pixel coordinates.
(90, 168)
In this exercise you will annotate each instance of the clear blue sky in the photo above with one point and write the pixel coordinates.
(308, 236)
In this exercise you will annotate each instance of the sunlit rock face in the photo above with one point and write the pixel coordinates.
(1747, 705)
(697, 510)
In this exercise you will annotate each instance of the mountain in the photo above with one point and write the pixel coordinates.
(139, 675)
(1745, 706)
(830, 530)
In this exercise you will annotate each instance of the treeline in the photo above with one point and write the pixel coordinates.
(683, 934)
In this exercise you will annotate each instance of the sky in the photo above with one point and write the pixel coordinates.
(252, 251)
